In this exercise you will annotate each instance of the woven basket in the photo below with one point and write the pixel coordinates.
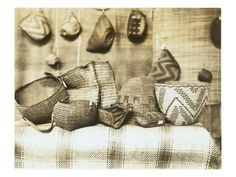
(37, 99)
(114, 116)
(89, 94)
(182, 103)
(72, 115)
(139, 93)
(107, 84)
(81, 77)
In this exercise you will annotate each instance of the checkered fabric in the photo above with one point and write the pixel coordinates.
(128, 147)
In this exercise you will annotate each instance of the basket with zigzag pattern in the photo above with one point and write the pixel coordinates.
(182, 103)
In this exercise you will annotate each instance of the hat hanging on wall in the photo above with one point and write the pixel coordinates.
(71, 26)
(36, 25)
(166, 68)
(137, 26)
(103, 35)
(52, 59)
(216, 32)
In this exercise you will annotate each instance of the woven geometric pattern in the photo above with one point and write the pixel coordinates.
(36, 25)
(136, 26)
(138, 92)
(128, 147)
(165, 68)
(182, 103)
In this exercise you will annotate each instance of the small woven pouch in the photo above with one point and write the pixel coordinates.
(150, 119)
(114, 116)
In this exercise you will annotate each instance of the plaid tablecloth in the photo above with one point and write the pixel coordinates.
(128, 147)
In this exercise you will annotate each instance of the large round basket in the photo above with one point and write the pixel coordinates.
(37, 99)
(182, 103)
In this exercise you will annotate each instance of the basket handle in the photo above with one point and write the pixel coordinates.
(48, 130)
(59, 78)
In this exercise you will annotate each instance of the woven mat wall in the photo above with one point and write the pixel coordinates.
(186, 33)
(127, 59)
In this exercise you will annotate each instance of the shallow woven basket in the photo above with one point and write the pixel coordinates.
(182, 103)
(75, 114)
(37, 99)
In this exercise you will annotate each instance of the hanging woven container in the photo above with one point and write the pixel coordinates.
(72, 115)
(37, 99)
(165, 68)
(71, 26)
(182, 103)
(137, 26)
(36, 26)
(102, 37)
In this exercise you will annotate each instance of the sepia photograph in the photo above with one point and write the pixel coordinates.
(117, 88)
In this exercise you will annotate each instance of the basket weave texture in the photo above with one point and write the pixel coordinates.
(72, 115)
(182, 103)
(107, 84)
(90, 94)
(139, 93)
(114, 116)
(81, 77)
(37, 99)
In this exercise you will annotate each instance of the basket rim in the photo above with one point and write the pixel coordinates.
(78, 67)
(183, 84)
(73, 102)
(24, 86)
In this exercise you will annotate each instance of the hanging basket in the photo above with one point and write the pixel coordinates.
(37, 99)
(72, 115)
